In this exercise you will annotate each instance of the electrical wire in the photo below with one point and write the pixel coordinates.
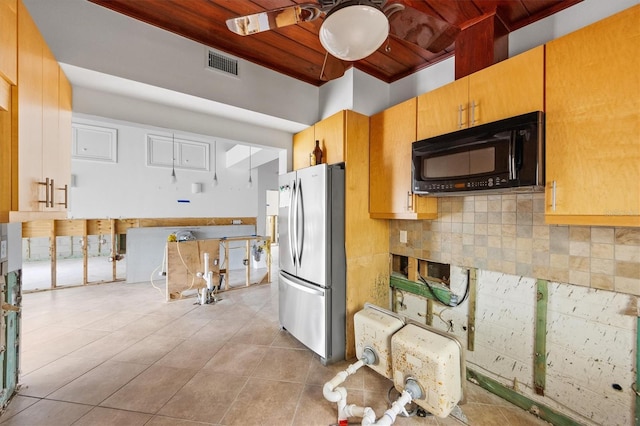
(464, 296)
(193, 276)
(432, 291)
(164, 258)
(466, 290)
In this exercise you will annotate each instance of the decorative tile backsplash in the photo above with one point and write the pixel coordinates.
(507, 233)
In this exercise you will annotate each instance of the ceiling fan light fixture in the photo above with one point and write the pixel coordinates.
(354, 29)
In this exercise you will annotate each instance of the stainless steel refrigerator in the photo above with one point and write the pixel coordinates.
(312, 258)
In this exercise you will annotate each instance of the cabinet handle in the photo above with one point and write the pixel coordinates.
(47, 199)
(52, 196)
(473, 113)
(66, 196)
(409, 201)
(553, 196)
(460, 109)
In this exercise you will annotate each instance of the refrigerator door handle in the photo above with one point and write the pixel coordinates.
(300, 205)
(306, 289)
(292, 223)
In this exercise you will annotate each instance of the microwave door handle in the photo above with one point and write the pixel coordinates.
(513, 173)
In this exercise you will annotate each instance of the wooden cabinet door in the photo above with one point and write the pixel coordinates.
(392, 132)
(29, 115)
(9, 40)
(593, 124)
(509, 88)
(443, 110)
(303, 144)
(330, 133)
(50, 123)
(62, 158)
(5, 163)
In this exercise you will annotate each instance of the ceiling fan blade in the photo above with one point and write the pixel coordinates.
(426, 31)
(332, 68)
(271, 19)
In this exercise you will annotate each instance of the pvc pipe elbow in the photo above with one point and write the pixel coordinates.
(368, 417)
(332, 394)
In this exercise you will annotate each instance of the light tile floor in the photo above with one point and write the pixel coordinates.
(117, 354)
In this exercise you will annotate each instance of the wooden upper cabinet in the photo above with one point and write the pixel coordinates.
(5, 163)
(443, 110)
(28, 113)
(63, 157)
(593, 124)
(40, 146)
(392, 132)
(331, 134)
(512, 87)
(303, 144)
(9, 41)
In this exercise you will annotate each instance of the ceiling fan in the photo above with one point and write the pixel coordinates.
(353, 29)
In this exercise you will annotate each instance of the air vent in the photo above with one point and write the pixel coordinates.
(218, 62)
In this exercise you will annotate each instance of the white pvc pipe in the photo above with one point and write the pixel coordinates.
(329, 390)
(207, 276)
(353, 410)
(390, 415)
(336, 394)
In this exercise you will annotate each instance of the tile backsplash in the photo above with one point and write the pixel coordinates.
(507, 233)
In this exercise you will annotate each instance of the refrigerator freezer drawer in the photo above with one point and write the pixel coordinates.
(303, 313)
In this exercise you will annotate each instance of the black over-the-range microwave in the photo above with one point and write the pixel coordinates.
(503, 155)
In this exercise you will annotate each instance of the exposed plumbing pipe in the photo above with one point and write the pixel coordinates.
(390, 415)
(336, 394)
(411, 391)
(208, 277)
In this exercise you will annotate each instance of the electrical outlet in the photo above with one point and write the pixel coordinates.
(403, 237)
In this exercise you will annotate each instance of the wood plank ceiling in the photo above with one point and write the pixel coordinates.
(296, 50)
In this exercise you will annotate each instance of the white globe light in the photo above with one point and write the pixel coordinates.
(354, 31)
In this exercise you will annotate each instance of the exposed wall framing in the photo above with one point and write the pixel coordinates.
(52, 228)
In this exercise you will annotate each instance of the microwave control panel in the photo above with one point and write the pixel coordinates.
(469, 184)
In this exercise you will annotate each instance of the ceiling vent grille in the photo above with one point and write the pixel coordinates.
(218, 62)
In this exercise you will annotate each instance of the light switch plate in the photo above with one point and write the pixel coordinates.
(403, 236)
(3, 249)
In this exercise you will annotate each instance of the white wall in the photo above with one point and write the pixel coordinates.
(86, 35)
(108, 106)
(336, 95)
(130, 188)
(267, 180)
(578, 16)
